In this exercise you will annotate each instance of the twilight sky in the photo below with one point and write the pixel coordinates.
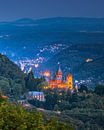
(15, 9)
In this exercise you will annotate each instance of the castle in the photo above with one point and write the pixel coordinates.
(59, 83)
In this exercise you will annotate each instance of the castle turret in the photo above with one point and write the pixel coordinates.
(69, 81)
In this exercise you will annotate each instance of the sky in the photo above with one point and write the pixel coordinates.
(16, 9)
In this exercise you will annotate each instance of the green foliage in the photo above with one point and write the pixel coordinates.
(11, 77)
(4, 85)
(56, 108)
(14, 117)
(10, 70)
(54, 124)
(30, 81)
(33, 84)
(84, 109)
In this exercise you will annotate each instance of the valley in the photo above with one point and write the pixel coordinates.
(41, 44)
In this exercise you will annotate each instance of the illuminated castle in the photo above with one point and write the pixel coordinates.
(59, 83)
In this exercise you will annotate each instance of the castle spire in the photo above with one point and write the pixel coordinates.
(59, 69)
(59, 75)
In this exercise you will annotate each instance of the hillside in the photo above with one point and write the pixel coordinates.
(11, 77)
(86, 62)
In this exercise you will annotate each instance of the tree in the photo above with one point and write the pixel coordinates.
(30, 81)
(14, 117)
(56, 108)
(83, 88)
(4, 86)
(99, 90)
(34, 84)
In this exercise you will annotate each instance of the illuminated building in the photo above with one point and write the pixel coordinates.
(59, 83)
(32, 95)
(69, 81)
(59, 76)
(47, 75)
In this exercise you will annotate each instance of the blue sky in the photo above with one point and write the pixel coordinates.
(15, 9)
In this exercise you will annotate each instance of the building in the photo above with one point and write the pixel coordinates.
(59, 83)
(69, 81)
(34, 95)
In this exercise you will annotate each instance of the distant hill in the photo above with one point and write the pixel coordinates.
(31, 34)
(25, 21)
(62, 23)
(85, 61)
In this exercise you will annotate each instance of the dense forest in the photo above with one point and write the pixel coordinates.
(13, 82)
(84, 109)
(14, 117)
(11, 78)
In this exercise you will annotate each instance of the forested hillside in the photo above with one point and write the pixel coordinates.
(11, 77)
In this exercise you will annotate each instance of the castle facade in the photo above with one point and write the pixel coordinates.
(59, 83)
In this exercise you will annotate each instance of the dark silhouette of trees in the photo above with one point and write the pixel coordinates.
(83, 88)
(99, 90)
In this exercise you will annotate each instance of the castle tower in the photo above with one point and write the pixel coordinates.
(69, 81)
(59, 75)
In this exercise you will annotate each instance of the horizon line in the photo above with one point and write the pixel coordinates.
(85, 17)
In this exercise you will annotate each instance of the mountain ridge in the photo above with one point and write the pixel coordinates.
(50, 18)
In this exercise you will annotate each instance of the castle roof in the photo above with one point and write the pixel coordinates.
(59, 70)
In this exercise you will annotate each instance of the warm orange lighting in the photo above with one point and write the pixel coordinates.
(46, 74)
(58, 82)
(69, 81)
(4, 97)
(46, 87)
